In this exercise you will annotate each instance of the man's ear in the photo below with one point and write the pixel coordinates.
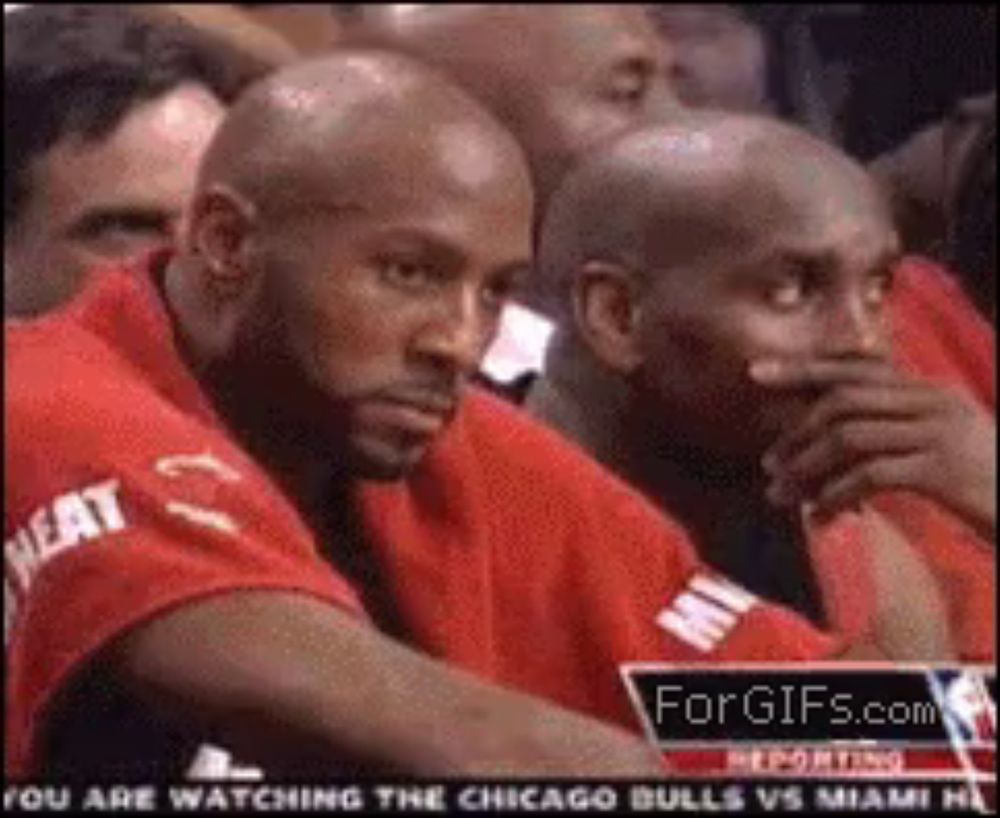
(219, 232)
(605, 309)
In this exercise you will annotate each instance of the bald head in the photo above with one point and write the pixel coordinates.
(709, 184)
(357, 224)
(689, 251)
(350, 128)
(563, 78)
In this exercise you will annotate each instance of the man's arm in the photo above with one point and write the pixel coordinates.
(911, 621)
(291, 683)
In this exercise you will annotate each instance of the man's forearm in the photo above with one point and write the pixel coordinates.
(289, 682)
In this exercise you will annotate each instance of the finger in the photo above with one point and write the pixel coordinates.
(840, 447)
(872, 403)
(867, 478)
(819, 372)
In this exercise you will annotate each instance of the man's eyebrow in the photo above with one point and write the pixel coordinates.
(634, 61)
(422, 240)
(826, 260)
(634, 56)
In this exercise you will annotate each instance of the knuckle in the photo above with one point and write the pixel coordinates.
(866, 479)
(835, 406)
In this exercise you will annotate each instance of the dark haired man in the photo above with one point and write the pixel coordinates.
(106, 114)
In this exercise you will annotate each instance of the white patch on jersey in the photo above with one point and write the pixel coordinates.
(66, 522)
(212, 763)
(210, 518)
(706, 611)
(724, 592)
(175, 465)
(178, 465)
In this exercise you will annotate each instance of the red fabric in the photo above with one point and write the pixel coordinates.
(842, 559)
(939, 335)
(94, 393)
(516, 555)
(511, 553)
(963, 565)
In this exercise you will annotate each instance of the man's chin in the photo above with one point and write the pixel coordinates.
(383, 462)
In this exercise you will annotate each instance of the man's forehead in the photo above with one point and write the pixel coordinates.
(597, 32)
(87, 171)
(511, 30)
(391, 164)
(154, 136)
(850, 241)
(448, 176)
(142, 165)
(741, 226)
(683, 15)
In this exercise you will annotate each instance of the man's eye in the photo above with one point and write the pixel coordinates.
(123, 227)
(877, 289)
(629, 87)
(788, 293)
(408, 274)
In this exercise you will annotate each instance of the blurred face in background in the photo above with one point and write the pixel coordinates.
(562, 78)
(93, 203)
(716, 58)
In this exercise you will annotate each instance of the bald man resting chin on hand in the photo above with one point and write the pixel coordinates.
(268, 513)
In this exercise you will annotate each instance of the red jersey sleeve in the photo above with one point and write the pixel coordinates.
(700, 615)
(963, 564)
(938, 334)
(120, 507)
(644, 596)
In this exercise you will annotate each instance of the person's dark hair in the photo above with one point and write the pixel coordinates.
(77, 70)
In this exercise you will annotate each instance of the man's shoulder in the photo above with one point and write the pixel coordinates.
(511, 439)
(71, 395)
(102, 353)
(55, 365)
(519, 455)
(48, 352)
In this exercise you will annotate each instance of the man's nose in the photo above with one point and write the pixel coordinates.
(855, 328)
(456, 337)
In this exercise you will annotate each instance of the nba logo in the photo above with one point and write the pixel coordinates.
(967, 705)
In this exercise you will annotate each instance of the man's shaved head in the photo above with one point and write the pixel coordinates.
(708, 183)
(321, 131)
(683, 252)
(563, 78)
(357, 225)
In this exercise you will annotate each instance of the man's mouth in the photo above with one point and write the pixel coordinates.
(420, 415)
